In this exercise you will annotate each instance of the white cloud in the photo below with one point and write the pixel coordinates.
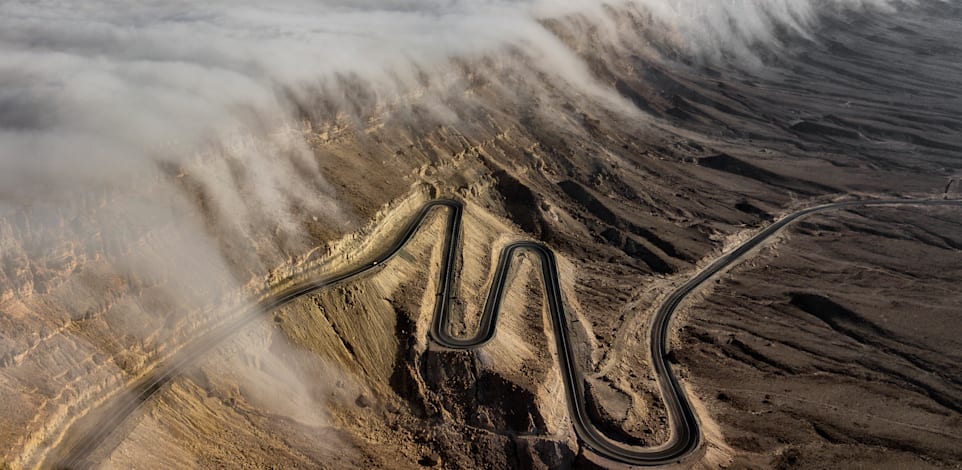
(84, 84)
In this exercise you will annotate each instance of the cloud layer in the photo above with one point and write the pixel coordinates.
(101, 84)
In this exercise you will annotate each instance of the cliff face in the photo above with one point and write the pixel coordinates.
(635, 164)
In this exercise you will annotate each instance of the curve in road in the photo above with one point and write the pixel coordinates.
(685, 435)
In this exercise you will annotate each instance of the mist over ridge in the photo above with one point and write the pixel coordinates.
(113, 80)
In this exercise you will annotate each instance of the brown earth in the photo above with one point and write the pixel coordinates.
(838, 345)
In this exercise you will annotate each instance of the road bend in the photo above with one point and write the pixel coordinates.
(685, 436)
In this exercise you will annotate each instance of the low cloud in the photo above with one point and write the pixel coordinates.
(90, 91)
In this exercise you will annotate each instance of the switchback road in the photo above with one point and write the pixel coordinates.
(75, 451)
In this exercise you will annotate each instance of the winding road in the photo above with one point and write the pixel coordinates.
(75, 451)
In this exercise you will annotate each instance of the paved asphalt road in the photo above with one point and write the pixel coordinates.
(685, 435)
